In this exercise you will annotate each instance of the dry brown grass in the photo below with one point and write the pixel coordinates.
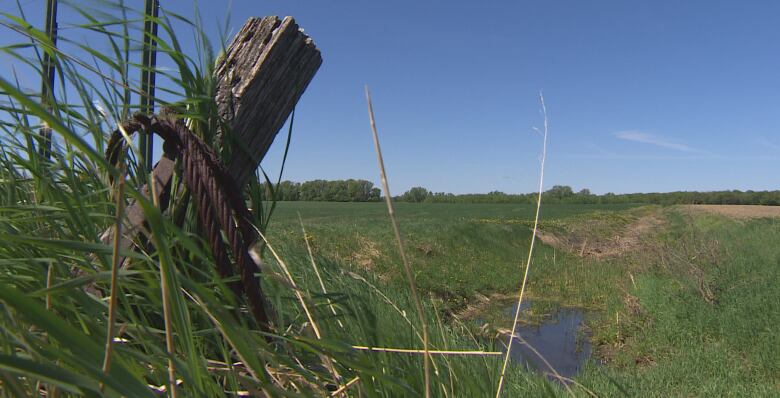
(741, 212)
(367, 254)
(587, 241)
(402, 251)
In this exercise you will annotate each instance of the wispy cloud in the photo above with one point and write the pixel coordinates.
(652, 139)
(767, 144)
(699, 156)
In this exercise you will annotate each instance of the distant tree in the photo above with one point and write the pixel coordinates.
(374, 195)
(288, 190)
(416, 195)
(313, 190)
(558, 193)
(359, 190)
(336, 191)
(584, 196)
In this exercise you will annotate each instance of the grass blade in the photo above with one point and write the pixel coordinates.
(90, 354)
(49, 374)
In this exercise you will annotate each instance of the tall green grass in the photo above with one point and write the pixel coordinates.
(54, 210)
(697, 317)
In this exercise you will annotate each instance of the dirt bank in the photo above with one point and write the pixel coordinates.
(589, 241)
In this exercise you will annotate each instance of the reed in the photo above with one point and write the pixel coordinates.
(404, 261)
(524, 282)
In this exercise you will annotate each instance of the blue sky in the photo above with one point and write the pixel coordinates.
(642, 96)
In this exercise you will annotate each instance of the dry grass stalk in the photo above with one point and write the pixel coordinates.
(224, 334)
(166, 308)
(530, 249)
(327, 360)
(114, 270)
(446, 347)
(584, 244)
(395, 307)
(317, 271)
(397, 231)
(289, 276)
(388, 301)
(49, 280)
(161, 389)
(344, 388)
(431, 352)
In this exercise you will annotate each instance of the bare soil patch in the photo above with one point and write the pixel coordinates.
(737, 211)
(588, 242)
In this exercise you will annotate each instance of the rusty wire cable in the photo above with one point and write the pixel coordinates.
(220, 206)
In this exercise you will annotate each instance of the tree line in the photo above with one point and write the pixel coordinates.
(565, 194)
(324, 191)
(364, 191)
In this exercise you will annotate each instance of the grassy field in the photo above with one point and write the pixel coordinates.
(458, 250)
(687, 310)
(684, 305)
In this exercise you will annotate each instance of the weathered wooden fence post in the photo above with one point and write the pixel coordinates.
(261, 77)
(259, 86)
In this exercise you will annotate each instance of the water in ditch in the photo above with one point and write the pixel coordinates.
(559, 341)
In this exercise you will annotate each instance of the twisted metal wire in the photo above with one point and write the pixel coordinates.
(220, 206)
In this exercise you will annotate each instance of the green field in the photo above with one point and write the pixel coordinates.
(688, 309)
(689, 313)
(457, 249)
